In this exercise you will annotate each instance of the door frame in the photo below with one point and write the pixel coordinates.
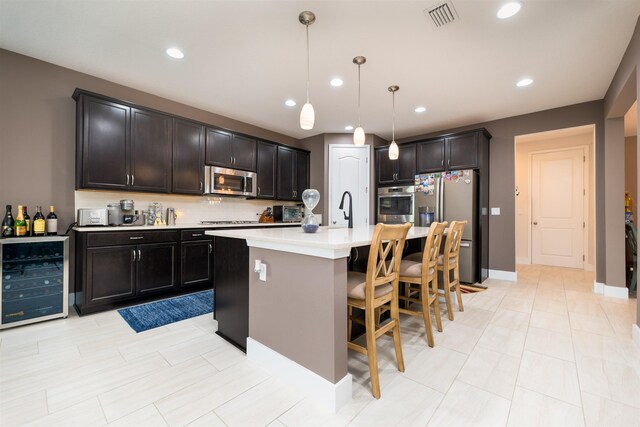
(585, 199)
(368, 157)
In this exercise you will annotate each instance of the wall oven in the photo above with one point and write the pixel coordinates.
(395, 204)
(229, 182)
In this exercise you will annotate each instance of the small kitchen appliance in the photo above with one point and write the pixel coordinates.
(283, 213)
(128, 213)
(115, 214)
(92, 217)
(229, 182)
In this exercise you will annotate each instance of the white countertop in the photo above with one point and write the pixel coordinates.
(181, 226)
(327, 242)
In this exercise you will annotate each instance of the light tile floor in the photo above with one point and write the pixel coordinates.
(543, 351)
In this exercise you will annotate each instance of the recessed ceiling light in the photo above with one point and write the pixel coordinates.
(290, 103)
(509, 9)
(174, 52)
(420, 109)
(336, 82)
(524, 82)
(348, 127)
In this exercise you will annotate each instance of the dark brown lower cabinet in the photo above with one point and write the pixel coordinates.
(156, 265)
(110, 273)
(195, 265)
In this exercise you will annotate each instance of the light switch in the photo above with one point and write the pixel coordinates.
(495, 211)
(257, 265)
(263, 272)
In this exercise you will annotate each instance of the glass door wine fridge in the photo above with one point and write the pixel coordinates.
(35, 279)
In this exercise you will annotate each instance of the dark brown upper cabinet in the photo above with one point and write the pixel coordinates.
(293, 173)
(266, 170)
(227, 150)
(188, 157)
(400, 171)
(448, 153)
(102, 147)
(150, 151)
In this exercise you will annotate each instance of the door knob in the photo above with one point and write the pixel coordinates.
(535, 223)
(334, 222)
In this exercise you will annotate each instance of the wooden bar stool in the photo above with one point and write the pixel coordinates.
(449, 262)
(418, 272)
(379, 286)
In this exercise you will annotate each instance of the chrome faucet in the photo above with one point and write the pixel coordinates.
(350, 217)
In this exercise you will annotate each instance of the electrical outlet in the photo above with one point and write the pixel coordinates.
(263, 272)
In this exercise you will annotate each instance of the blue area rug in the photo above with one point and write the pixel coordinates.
(160, 313)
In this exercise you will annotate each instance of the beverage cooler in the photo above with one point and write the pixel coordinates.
(35, 279)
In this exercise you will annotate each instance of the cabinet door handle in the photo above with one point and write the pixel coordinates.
(197, 235)
(133, 255)
(127, 179)
(448, 162)
(258, 191)
(136, 237)
(210, 248)
(139, 254)
(442, 162)
(133, 179)
(230, 160)
(200, 185)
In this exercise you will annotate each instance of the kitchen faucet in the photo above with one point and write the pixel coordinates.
(350, 217)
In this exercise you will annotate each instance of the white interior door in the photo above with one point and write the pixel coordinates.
(557, 208)
(349, 171)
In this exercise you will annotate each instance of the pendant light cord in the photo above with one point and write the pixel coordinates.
(359, 121)
(308, 55)
(393, 124)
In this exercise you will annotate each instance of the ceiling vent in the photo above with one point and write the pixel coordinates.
(442, 13)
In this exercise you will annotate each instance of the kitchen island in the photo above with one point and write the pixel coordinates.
(297, 315)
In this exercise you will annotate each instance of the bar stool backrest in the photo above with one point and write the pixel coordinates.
(454, 238)
(385, 255)
(432, 245)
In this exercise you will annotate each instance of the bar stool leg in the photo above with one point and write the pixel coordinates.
(395, 317)
(372, 353)
(447, 292)
(426, 313)
(436, 303)
(456, 277)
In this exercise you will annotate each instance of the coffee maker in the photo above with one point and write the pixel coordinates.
(128, 213)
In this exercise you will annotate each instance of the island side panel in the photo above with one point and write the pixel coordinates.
(301, 310)
(231, 290)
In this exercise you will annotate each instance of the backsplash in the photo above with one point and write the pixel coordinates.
(190, 209)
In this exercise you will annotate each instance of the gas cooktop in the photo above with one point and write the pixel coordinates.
(227, 222)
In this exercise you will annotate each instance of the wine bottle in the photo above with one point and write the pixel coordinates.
(7, 224)
(27, 219)
(38, 222)
(20, 225)
(52, 222)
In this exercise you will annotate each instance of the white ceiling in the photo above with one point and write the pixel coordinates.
(245, 58)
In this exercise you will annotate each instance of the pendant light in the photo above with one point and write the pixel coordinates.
(393, 148)
(307, 115)
(358, 134)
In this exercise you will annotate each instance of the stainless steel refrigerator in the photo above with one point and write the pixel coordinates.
(451, 196)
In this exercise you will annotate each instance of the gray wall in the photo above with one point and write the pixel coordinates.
(622, 93)
(502, 172)
(37, 123)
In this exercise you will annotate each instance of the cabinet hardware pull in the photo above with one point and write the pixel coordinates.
(231, 159)
(448, 162)
(196, 234)
(234, 160)
(139, 254)
(133, 179)
(133, 255)
(127, 180)
(136, 237)
(357, 254)
(200, 185)
(258, 191)
(442, 162)
(210, 248)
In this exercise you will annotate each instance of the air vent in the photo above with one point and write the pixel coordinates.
(442, 14)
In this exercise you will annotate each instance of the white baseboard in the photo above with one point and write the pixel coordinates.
(610, 291)
(635, 334)
(333, 396)
(503, 275)
(616, 292)
(523, 260)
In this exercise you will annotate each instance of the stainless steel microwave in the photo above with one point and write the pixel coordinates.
(229, 182)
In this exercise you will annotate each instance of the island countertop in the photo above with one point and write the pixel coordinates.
(327, 242)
